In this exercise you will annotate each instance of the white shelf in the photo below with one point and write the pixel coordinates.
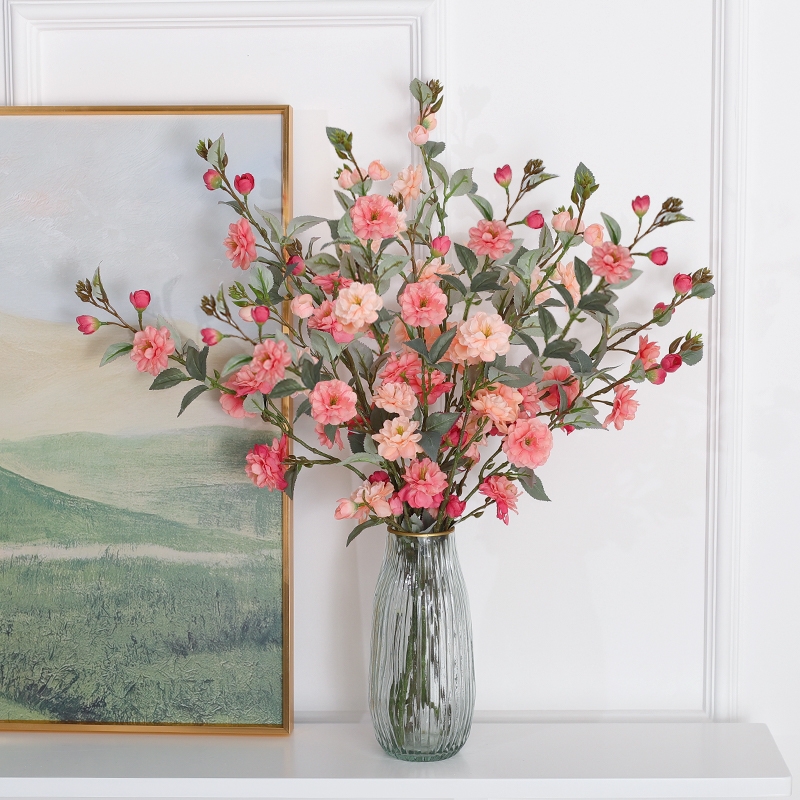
(510, 760)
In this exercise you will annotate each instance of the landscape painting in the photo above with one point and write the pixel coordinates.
(144, 580)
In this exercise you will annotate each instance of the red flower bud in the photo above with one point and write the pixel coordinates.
(535, 220)
(568, 429)
(244, 184)
(641, 205)
(656, 375)
(213, 180)
(658, 308)
(297, 264)
(379, 476)
(440, 246)
(682, 283)
(503, 176)
(455, 507)
(671, 362)
(211, 336)
(140, 299)
(260, 315)
(658, 256)
(87, 324)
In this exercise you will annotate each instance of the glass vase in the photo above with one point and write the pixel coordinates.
(422, 683)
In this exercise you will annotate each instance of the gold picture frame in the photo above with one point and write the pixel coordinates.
(284, 727)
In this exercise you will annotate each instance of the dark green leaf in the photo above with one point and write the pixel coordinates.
(310, 372)
(302, 408)
(557, 349)
(420, 92)
(370, 523)
(529, 341)
(377, 417)
(467, 259)
(433, 149)
(614, 232)
(547, 323)
(430, 442)
(703, 290)
(439, 347)
(196, 362)
(692, 357)
(169, 378)
(532, 484)
(595, 301)
(451, 280)
(235, 363)
(115, 351)
(284, 388)
(442, 421)
(330, 432)
(516, 379)
(290, 476)
(418, 345)
(483, 205)
(583, 274)
(562, 290)
(356, 441)
(485, 282)
(191, 395)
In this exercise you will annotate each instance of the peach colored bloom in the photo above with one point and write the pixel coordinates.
(566, 274)
(611, 261)
(332, 402)
(423, 304)
(302, 306)
(408, 182)
(549, 396)
(347, 179)
(433, 270)
(490, 238)
(432, 332)
(564, 222)
(530, 399)
(499, 403)
(325, 441)
(324, 319)
(346, 509)
(377, 171)
(246, 313)
(241, 244)
(593, 235)
(528, 443)
(151, 349)
(536, 279)
(367, 497)
(418, 135)
(266, 465)
(374, 217)
(503, 492)
(330, 284)
(429, 122)
(233, 404)
(624, 407)
(357, 307)
(484, 336)
(398, 438)
(270, 359)
(396, 398)
(649, 352)
(425, 484)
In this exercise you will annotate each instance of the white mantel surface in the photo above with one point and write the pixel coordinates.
(508, 760)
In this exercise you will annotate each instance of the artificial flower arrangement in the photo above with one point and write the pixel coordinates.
(446, 377)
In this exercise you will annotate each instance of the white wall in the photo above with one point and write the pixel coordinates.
(660, 581)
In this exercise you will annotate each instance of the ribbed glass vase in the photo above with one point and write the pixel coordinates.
(422, 683)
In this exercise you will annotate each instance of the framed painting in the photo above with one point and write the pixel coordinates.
(145, 583)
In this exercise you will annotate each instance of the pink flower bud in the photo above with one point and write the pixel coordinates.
(140, 299)
(671, 362)
(396, 505)
(429, 122)
(418, 135)
(213, 180)
(244, 184)
(246, 313)
(503, 176)
(260, 314)
(593, 235)
(658, 256)
(641, 205)
(568, 429)
(347, 179)
(379, 476)
(682, 283)
(659, 308)
(297, 264)
(455, 507)
(302, 306)
(656, 375)
(440, 246)
(535, 220)
(211, 336)
(346, 509)
(377, 171)
(87, 324)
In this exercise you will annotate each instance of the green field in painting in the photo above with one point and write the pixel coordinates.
(109, 614)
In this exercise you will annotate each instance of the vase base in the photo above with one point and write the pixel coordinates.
(422, 756)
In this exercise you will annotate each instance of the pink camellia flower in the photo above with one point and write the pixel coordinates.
(423, 304)
(503, 492)
(323, 318)
(455, 506)
(270, 359)
(593, 235)
(260, 314)
(151, 349)
(357, 307)
(374, 217)
(403, 367)
(213, 180)
(241, 244)
(503, 176)
(396, 398)
(211, 336)
(332, 402)
(490, 238)
(418, 135)
(375, 495)
(379, 476)
(330, 284)
(398, 438)
(87, 324)
(302, 306)
(297, 264)
(408, 183)
(266, 465)
(549, 396)
(244, 184)
(648, 352)
(325, 441)
(671, 362)
(440, 246)
(233, 404)
(535, 220)
(656, 375)
(140, 299)
(377, 171)
(611, 261)
(641, 205)
(347, 179)
(564, 222)
(530, 399)
(624, 407)
(499, 403)
(246, 313)
(566, 274)
(528, 443)
(425, 484)
(433, 270)
(682, 283)
(659, 256)
(484, 336)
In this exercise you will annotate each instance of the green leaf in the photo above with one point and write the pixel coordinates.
(483, 205)
(421, 92)
(635, 273)
(442, 421)
(583, 274)
(303, 223)
(440, 172)
(192, 395)
(370, 523)
(581, 363)
(273, 223)
(363, 356)
(263, 280)
(356, 441)
(322, 263)
(665, 318)
(216, 153)
(169, 378)
(439, 347)
(595, 301)
(529, 341)
(330, 432)
(302, 408)
(460, 183)
(430, 442)
(345, 201)
(557, 349)
(433, 149)
(235, 363)
(196, 362)
(451, 280)
(325, 345)
(485, 282)
(467, 259)
(547, 323)
(703, 290)
(284, 388)
(562, 290)
(115, 351)
(252, 405)
(614, 231)
(363, 458)
(418, 345)
(377, 417)
(692, 357)
(532, 484)
(290, 476)
(516, 379)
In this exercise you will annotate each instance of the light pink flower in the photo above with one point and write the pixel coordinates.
(347, 509)
(398, 438)
(432, 333)
(433, 270)
(332, 402)
(566, 274)
(649, 352)
(270, 359)
(377, 171)
(368, 497)
(491, 239)
(325, 441)
(593, 235)
(564, 222)
(499, 403)
(530, 399)
(418, 135)
(248, 381)
(425, 484)
(302, 306)
(233, 404)
(241, 244)
(246, 313)
(536, 279)
(357, 307)
(408, 182)
(549, 396)
(324, 319)
(330, 284)
(429, 122)
(347, 179)
(151, 349)
(484, 336)
(624, 407)
(266, 465)
(503, 492)
(611, 261)
(528, 443)
(211, 336)
(374, 217)
(423, 304)
(403, 367)
(396, 398)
